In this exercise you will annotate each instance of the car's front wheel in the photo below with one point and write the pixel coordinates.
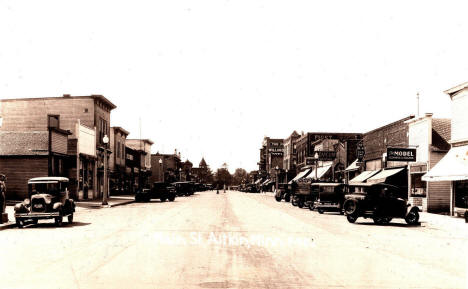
(350, 207)
(59, 220)
(20, 223)
(466, 216)
(287, 198)
(172, 198)
(311, 206)
(351, 218)
(320, 211)
(278, 199)
(412, 218)
(300, 203)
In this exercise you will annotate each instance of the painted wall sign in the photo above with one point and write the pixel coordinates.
(360, 152)
(401, 154)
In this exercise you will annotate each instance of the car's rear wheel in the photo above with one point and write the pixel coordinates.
(466, 216)
(412, 218)
(294, 201)
(300, 203)
(278, 199)
(172, 198)
(70, 218)
(320, 211)
(311, 206)
(287, 198)
(351, 218)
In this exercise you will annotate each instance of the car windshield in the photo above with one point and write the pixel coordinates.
(45, 188)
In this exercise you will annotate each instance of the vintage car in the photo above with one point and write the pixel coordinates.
(184, 188)
(302, 194)
(283, 193)
(159, 190)
(48, 198)
(330, 197)
(381, 202)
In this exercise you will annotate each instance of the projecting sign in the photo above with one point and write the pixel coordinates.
(326, 155)
(360, 152)
(401, 154)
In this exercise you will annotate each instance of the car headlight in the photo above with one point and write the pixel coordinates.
(27, 202)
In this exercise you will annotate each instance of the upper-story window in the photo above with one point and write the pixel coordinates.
(53, 121)
(103, 129)
(118, 150)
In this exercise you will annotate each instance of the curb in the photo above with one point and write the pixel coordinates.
(100, 206)
(9, 225)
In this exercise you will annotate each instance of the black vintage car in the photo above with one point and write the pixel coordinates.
(381, 202)
(302, 194)
(330, 196)
(283, 193)
(48, 198)
(159, 190)
(184, 188)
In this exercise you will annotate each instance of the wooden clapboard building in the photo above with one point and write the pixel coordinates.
(67, 131)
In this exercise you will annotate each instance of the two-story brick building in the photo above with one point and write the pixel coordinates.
(143, 147)
(165, 167)
(117, 167)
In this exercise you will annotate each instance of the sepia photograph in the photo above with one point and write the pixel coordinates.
(233, 144)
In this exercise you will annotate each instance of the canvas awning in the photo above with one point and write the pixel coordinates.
(452, 167)
(265, 182)
(362, 177)
(321, 171)
(300, 175)
(258, 181)
(383, 175)
(352, 167)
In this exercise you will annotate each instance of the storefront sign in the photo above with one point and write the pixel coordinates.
(360, 152)
(326, 155)
(401, 154)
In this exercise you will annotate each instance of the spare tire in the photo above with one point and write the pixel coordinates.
(350, 207)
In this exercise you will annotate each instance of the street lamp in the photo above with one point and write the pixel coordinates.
(316, 157)
(105, 140)
(160, 170)
(276, 169)
(180, 174)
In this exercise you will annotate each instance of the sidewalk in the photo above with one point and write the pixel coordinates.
(113, 201)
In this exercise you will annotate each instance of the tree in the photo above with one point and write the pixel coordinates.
(240, 175)
(222, 176)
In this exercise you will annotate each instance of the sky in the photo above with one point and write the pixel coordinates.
(213, 78)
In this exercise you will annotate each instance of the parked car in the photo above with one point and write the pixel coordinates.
(303, 195)
(283, 193)
(48, 198)
(184, 188)
(159, 190)
(251, 188)
(330, 197)
(381, 202)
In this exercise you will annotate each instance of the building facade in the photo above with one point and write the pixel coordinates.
(87, 118)
(118, 183)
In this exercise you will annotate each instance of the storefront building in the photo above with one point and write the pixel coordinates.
(453, 167)
(289, 156)
(430, 138)
(375, 167)
(117, 175)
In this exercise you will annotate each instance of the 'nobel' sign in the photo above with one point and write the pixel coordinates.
(401, 154)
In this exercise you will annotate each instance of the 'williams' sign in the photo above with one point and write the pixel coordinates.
(401, 154)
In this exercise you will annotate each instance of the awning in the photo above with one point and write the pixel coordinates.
(352, 167)
(321, 171)
(265, 182)
(452, 167)
(362, 177)
(300, 175)
(258, 181)
(383, 175)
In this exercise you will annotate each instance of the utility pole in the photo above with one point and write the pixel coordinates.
(417, 101)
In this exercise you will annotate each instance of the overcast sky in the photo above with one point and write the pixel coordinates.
(212, 78)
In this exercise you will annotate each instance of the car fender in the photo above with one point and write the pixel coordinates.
(57, 206)
(413, 209)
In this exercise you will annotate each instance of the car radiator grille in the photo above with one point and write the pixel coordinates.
(38, 205)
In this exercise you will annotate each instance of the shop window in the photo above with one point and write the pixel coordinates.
(418, 186)
(461, 194)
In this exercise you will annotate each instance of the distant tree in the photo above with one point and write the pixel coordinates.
(239, 176)
(222, 176)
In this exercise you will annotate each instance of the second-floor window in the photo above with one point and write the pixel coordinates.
(103, 127)
(53, 121)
